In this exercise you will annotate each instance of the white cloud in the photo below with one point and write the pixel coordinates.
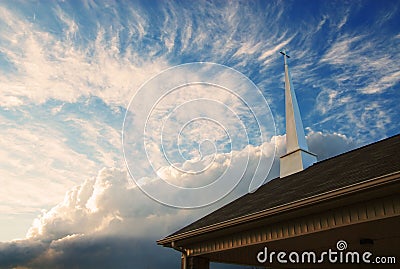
(275, 49)
(364, 63)
(39, 161)
(322, 22)
(37, 166)
(109, 203)
(343, 21)
(109, 210)
(106, 205)
(341, 51)
(388, 80)
(49, 66)
(327, 145)
(104, 141)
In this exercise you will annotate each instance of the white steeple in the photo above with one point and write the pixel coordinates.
(297, 157)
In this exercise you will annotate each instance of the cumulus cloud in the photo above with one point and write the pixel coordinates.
(108, 221)
(111, 204)
(103, 223)
(106, 205)
(324, 145)
(327, 145)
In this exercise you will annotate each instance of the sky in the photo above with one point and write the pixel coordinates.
(122, 121)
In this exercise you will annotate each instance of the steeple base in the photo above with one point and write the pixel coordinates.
(296, 161)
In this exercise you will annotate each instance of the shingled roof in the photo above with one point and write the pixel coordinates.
(362, 164)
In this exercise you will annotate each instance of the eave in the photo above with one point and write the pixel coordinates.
(336, 194)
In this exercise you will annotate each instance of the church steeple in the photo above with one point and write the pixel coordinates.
(297, 157)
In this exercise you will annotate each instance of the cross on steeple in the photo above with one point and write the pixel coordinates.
(283, 52)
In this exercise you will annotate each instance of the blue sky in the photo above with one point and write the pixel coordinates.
(68, 70)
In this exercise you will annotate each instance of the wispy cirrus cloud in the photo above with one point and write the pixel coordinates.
(56, 66)
(358, 56)
(47, 162)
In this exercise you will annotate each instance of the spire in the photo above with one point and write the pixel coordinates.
(297, 157)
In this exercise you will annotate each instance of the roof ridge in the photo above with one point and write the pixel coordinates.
(336, 172)
(359, 148)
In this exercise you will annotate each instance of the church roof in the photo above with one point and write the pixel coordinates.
(354, 167)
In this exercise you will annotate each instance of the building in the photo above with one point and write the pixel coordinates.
(347, 206)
